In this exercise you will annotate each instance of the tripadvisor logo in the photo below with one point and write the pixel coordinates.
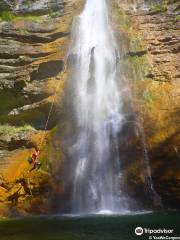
(139, 231)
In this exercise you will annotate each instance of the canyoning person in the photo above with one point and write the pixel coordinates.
(33, 160)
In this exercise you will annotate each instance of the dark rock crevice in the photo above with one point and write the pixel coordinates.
(34, 38)
(47, 69)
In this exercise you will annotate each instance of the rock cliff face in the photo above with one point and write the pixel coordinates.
(36, 7)
(32, 53)
(150, 43)
(34, 39)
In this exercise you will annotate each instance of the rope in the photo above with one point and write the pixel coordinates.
(29, 187)
(51, 107)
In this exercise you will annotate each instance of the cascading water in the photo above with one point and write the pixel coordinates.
(98, 113)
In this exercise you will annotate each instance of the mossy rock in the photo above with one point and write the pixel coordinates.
(10, 16)
(158, 8)
(10, 99)
(33, 117)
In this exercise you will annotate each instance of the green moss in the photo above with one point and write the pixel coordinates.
(148, 96)
(123, 19)
(11, 99)
(135, 68)
(138, 66)
(7, 129)
(53, 14)
(177, 18)
(32, 117)
(30, 17)
(7, 16)
(10, 16)
(28, 3)
(135, 45)
(54, 130)
(51, 153)
(23, 31)
(158, 7)
(46, 164)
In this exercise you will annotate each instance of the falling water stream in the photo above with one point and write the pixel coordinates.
(95, 170)
(98, 113)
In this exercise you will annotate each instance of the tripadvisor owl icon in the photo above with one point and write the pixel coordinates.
(139, 231)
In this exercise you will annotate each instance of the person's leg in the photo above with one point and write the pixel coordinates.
(34, 167)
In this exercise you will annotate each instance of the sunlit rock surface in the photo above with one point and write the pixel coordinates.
(149, 38)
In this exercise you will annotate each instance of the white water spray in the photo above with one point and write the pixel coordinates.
(98, 113)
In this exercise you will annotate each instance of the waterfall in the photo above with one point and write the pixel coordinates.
(97, 106)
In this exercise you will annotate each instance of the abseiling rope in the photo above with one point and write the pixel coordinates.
(51, 107)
